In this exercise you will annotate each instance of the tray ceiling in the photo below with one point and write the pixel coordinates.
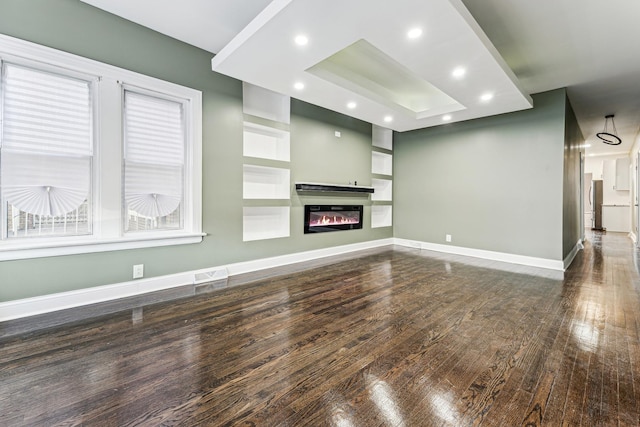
(430, 64)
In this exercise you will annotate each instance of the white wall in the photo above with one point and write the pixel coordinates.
(452, 180)
(611, 196)
(634, 187)
(604, 168)
(594, 164)
(616, 210)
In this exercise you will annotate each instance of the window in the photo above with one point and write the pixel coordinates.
(46, 153)
(154, 162)
(94, 157)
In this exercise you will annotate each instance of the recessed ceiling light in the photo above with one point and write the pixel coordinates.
(298, 86)
(388, 119)
(351, 105)
(446, 117)
(486, 97)
(301, 40)
(459, 72)
(414, 33)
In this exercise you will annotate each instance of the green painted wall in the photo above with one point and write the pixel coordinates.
(573, 150)
(494, 183)
(316, 154)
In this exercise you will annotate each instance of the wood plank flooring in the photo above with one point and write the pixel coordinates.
(397, 338)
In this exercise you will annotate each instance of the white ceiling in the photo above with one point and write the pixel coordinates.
(367, 58)
(588, 46)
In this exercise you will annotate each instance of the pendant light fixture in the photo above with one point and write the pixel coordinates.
(609, 135)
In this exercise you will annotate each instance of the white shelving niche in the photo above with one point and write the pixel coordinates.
(382, 137)
(265, 222)
(383, 190)
(381, 216)
(267, 140)
(261, 182)
(261, 102)
(381, 163)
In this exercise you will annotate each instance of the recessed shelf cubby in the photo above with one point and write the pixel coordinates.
(265, 222)
(381, 163)
(383, 189)
(260, 182)
(382, 137)
(261, 102)
(381, 216)
(265, 142)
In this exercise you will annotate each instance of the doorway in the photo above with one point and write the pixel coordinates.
(587, 208)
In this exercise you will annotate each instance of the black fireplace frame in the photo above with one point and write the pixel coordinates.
(309, 209)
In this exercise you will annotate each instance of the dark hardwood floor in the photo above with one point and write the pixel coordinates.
(395, 338)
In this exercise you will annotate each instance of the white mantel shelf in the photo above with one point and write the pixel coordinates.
(320, 187)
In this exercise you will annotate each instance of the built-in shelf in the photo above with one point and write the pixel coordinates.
(381, 216)
(382, 137)
(263, 222)
(262, 185)
(381, 163)
(260, 182)
(265, 142)
(383, 189)
(334, 188)
(264, 103)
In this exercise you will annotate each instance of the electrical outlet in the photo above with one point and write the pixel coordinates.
(447, 237)
(338, 134)
(138, 271)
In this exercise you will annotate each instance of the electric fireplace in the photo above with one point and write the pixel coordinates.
(322, 218)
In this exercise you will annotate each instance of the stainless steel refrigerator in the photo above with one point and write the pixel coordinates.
(596, 205)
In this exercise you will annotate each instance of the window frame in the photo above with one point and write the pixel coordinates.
(185, 105)
(107, 194)
(74, 75)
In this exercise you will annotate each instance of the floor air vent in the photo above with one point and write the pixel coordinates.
(210, 276)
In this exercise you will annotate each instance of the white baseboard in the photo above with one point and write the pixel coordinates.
(569, 258)
(279, 261)
(480, 253)
(17, 309)
(26, 307)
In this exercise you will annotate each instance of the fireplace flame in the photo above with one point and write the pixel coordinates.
(318, 220)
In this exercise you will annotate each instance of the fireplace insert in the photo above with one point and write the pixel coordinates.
(322, 218)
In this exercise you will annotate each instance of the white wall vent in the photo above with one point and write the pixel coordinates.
(210, 275)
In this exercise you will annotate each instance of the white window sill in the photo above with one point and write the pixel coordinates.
(32, 249)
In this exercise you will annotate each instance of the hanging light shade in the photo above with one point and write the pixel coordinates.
(609, 134)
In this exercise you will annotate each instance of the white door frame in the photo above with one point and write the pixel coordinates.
(634, 203)
(582, 234)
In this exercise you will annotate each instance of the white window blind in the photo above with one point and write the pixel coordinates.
(154, 149)
(45, 185)
(46, 145)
